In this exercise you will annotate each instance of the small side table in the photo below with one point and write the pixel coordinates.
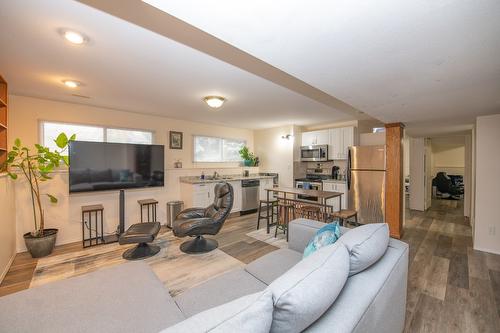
(92, 225)
(151, 207)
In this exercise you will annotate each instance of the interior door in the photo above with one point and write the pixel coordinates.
(367, 195)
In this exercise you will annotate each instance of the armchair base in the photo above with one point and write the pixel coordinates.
(199, 244)
(141, 251)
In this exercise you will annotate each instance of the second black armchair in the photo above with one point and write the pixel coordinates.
(196, 222)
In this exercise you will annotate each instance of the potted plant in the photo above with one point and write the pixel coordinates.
(249, 158)
(36, 168)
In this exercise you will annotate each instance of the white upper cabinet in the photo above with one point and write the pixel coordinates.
(340, 139)
(315, 138)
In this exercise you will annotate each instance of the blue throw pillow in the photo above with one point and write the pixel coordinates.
(327, 235)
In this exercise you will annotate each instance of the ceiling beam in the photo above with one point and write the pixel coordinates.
(153, 19)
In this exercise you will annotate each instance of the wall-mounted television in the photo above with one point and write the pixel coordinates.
(99, 166)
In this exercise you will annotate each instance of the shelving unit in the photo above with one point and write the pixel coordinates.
(3, 120)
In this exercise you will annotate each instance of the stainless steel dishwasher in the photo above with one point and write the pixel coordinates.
(249, 195)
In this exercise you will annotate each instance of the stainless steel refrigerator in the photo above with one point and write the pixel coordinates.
(366, 182)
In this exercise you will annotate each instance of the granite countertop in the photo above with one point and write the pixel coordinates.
(227, 178)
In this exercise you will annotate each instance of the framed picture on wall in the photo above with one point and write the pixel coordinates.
(175, 140)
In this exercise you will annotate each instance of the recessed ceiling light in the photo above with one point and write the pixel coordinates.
(74, 37)
(71, 83)
(214, 102)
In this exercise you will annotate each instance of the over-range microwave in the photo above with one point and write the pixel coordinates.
(315, 153)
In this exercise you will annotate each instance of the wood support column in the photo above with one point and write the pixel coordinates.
(394, 195)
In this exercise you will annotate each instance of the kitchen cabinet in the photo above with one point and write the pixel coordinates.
(265, 183)
(202, 195)
(336, 187)
(315, 138)
(340, 139)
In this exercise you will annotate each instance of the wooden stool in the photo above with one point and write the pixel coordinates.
(150, 205)
(286, 214)
(93, 224)
(272, 205)
(311, 212)
(344, 215)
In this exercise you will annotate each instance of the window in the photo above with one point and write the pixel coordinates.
(212, 149)
(51, 130)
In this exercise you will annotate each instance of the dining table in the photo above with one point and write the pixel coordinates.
(291, 194)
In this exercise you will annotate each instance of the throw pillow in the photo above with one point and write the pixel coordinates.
(366, 245)
(309, 288)
(327, 235)
(248, 314)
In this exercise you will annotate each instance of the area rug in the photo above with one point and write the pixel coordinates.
(177, 270)
(262, 235)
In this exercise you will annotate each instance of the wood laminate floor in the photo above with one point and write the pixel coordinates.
(451, 287)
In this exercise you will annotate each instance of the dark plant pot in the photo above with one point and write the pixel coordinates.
(41, 246)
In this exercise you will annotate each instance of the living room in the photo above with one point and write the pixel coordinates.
(305, 95)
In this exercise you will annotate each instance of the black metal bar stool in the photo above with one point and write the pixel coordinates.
(267, 210)
(286, 214)
(151, 207)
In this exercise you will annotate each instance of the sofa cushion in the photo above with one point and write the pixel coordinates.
(274, 264)
(309, 288)
(123, 298)
(366, 244)
(248, 314)
(217, 291)
(327, 235)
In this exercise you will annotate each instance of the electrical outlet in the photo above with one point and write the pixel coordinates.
(492, 230)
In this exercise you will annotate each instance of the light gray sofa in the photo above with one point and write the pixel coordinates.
(129, 297)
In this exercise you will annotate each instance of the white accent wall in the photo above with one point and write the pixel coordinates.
(487, 185)
(7, 225)
(25, 116)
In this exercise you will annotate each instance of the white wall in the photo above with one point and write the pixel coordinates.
(372, 139)
(487, 213)
(25, 115)
(277, 154)
(448, 155)
(417, 173)
(7, 225)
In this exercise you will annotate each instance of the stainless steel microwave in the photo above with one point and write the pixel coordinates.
(315, 153)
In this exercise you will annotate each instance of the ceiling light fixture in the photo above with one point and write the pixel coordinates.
(287, 137)
(74, 37)
(71, 83)
(214, 102)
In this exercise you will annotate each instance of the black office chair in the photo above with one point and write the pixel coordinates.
(445, 185)
(196, 222)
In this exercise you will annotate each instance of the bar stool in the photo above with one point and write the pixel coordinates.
(344, 215)
(151, 207)
(311, 212)
(286, 214)
(264, 207)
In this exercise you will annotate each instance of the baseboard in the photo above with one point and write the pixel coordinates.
(7, 267)
(486, 250)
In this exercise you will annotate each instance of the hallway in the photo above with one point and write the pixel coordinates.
(451, 287)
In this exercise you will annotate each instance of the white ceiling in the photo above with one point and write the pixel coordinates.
(410, 61)
(130, 68)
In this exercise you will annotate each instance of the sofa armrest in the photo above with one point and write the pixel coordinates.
(300, 232)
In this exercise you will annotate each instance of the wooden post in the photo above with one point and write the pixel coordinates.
(394, 179)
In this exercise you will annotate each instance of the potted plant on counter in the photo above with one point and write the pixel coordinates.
(36, 167)
(249, 158)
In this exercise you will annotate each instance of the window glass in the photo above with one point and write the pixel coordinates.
(212, 149)
(83, 133)
(128, 136)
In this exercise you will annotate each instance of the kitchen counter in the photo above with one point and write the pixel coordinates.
(337, 181)
(227, 178)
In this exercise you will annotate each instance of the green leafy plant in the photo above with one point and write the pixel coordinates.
(36, 166)
(248, 156)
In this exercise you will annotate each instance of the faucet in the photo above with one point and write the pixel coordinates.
(216, 175)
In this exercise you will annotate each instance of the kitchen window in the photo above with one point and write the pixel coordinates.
(50, 130)
(214, 149)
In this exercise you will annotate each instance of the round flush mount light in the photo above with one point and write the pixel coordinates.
(74, 37)
(72, 83)
(214, 102)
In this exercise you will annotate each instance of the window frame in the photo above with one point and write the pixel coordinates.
(193, 137)
(41, 131)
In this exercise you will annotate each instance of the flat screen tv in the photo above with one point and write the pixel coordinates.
(99, 166)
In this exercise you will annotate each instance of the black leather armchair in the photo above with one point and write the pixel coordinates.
(444, 184)
(196, 222)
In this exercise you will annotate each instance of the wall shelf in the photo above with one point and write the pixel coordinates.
(3, 102)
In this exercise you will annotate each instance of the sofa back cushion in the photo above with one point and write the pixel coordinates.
(366, 245)
(248, 314)
(309, 288)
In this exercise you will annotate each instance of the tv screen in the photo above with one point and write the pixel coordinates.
(99, 166)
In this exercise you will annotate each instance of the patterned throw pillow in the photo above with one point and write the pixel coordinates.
(327, 235)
